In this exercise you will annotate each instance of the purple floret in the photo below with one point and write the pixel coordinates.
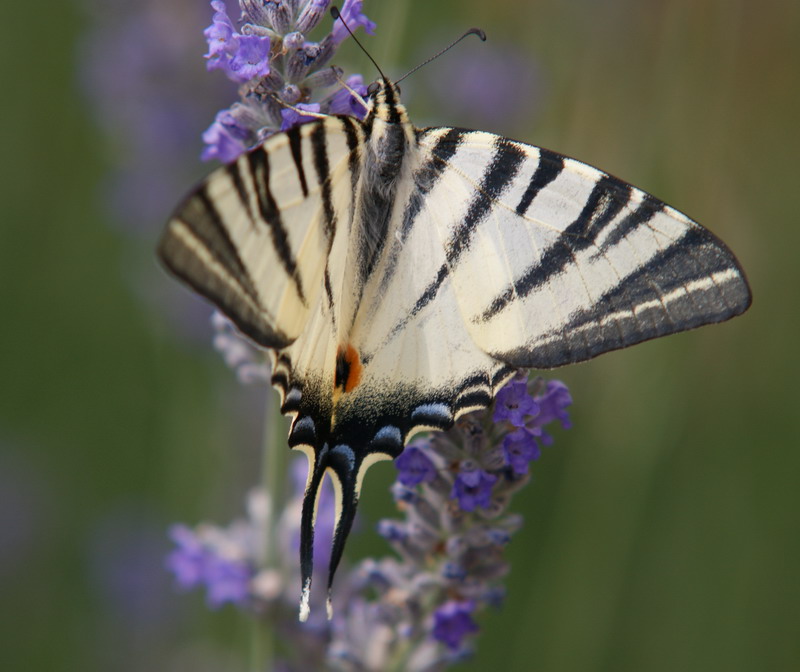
(240, 57)
(219, 35)
(251, 59)
(344, 102)
(195, 564)
(473, 489)
(188, 561)
(553, 404)
(227, 581)
(519, 449)
(291, 117)
(514, 403)
(225, 139)
(452, 622)
(354, 18)
(414, 467)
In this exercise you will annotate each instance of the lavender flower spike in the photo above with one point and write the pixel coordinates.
(454, 489)
(279, 69)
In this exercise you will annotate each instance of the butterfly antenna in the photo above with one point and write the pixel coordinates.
(349, 88)
(337, 15)
(471, 31)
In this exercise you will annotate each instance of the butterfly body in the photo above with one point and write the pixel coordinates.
(399, 277)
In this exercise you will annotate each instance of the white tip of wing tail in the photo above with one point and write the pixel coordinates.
(304, 609)
(329, 607)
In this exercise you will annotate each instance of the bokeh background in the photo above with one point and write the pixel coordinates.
(661, 532)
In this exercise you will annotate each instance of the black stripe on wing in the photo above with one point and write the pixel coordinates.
(235, 173)
(606, 200)
(548, 169)
(636, 217)
(296, 149)
(425, 179)
(258, 162)
(497, 177)
(197, 248)
(319, 151)
(693, 281)
(354, 143)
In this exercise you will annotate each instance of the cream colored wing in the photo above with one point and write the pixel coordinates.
(254, 237)
(553, 261)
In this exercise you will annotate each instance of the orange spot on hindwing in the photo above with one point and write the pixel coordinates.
(348, 368)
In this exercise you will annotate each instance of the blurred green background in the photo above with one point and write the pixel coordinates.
(661, 532)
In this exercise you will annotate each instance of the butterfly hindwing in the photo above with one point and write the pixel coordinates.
(573, 262)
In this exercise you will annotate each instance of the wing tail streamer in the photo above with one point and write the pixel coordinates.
(317, 463)
(343, 467)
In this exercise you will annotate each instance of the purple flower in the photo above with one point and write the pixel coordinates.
(251, 58)
(519, 449)
(452, 622)
(225, 139)
(280, 71)
(240, 57)
(187, 562)
(220, 37)
(414, 467)
(354, 18)
(514, 402)
(553, 404)
(226, 581)
(444, 553)
(344, 102)
(195, 563)
(473, 488)
(291, 117)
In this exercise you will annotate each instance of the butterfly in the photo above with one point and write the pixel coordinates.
(400, 276)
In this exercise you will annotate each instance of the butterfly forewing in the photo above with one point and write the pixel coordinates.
(573, 262)
(255, 235)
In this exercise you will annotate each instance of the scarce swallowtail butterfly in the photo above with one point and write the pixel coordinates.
(400, 276)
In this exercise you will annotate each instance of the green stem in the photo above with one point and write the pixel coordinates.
(274, 475)
(262, 635)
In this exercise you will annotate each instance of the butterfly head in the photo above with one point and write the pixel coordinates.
(384, 99)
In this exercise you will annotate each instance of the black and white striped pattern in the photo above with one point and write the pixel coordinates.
(400, 277)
